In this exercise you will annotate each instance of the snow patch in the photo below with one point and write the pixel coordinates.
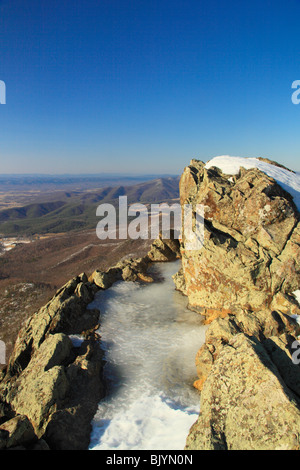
(297, 295)
(77, 340)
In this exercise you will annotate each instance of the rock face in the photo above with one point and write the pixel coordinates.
(251, 241)
(165, 250)
(51, 388)
(16, 432)
(42, 374)
(242, 282)
(245, 403)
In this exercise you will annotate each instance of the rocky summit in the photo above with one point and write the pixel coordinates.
(243, 281)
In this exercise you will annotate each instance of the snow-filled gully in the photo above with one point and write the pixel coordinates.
(150, 341)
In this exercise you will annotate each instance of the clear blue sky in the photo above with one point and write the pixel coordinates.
(143, 86)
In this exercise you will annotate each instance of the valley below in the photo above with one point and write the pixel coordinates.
(43, 245)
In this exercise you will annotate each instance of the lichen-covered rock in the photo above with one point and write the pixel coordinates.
(69, 427)
(55, 384)
(242, 281)
(260, 325)
(145, 278)
(43, 385)
(66, 312)
(58, 392)
(47, 374)
(105, 279)
(285, 268)
(280, 350)
(17, 431)
(135, 269)
(128, 269)
(179, 282)
(251, 246)
(245, 404)
(164, 249)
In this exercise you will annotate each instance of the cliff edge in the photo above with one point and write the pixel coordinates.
(243, 281)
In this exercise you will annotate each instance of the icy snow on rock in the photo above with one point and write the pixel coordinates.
(288, 180)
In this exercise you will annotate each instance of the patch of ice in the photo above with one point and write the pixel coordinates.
(149, 423)
(150, 340)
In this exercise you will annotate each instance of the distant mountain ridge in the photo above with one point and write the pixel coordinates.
(71, 182)
(77, 210)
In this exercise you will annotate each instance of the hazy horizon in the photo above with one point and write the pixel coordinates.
(91, 175)
(112, 175)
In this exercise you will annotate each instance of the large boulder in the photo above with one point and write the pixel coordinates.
(43, 385)
(260, 325)
(69, 427)
(66, 312)
(165, 249)
(242, 281)
(251, 243)
(16, 432)
(50, 376)
(245, 403)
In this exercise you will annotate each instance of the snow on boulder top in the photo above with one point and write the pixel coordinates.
(287, 179)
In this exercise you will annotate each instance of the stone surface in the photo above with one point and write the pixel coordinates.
(135, 269)
(179, 281)
(65, 312)
(164, 249)
(242, 281)
(251, 248)
(47, 375)
(262, 325)
(43, 385)
(245, 404)
(18, 431)
(69, 427)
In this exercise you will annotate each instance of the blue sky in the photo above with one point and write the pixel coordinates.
(143, 86)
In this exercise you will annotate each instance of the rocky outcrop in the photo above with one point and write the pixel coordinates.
(165, 250)
(42, 377)
(66, 312)
(242, 281)
(135, 269)
(245, 403)
(130, 269)
(50, 390)
(251, 241)
(16, 432)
